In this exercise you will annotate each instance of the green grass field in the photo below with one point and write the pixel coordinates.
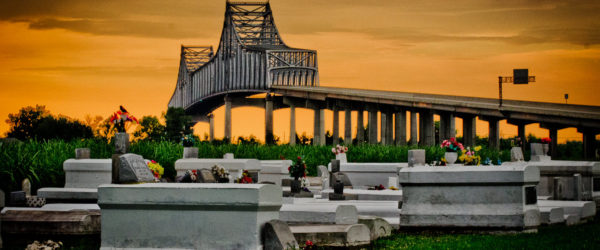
(585, 236)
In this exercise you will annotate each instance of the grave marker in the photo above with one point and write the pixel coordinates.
(206, 176)
(133, 168)
(82, 153)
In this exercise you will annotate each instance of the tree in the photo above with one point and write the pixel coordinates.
(150, 129)
(23, 124)
(37, 123)
(177, 124)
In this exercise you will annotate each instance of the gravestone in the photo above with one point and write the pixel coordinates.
(121, 143)
(26, 187)
(82, 153)
(228, 156)
(132, 168)
(206, 176)
(537, 152)
(416, 157)
(516, 154)
(277, 235)
(190, 152)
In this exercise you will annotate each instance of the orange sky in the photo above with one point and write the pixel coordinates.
(88, 57)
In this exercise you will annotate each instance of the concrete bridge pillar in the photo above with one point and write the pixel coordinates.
(336, 126)
(292, 125)
(427, 128)
(413, 128)
(469, 129)
(494, 133)
(383, 125)
(227, 137)
(521, 132)
(319, 127)
(447, 126)
(553, 134)
(360, 127)
(400, 124)
(372, 126)
(589, 142)
(269, 119)
(347, 126)
(389, 132)
(211, 127)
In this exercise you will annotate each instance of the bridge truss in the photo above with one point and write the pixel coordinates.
(251, 58)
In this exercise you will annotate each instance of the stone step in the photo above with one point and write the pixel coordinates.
(552, 215)
(584, 209)
(318, 213)
(69, 195)
(327, 235)
(572, 219)
(364, 207)
(78, 222)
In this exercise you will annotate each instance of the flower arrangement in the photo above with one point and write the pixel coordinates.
(452, 145)
(378, 187)
(189, 176)
(470, 157)
(156, 169)
(220, 173)
(546, 140)
(298, 169)
(339, 149)
(245, 179)
(188, 140)
(120, 119)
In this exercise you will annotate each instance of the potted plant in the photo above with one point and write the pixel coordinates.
(470, 157)
(452, 147)
(340, 153)
(297, 170)
(189, 151)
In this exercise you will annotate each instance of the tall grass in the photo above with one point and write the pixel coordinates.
(41, 161)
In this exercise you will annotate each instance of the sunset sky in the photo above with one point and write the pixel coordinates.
(88, 57)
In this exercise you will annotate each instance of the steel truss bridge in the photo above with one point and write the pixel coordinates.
(252, 59)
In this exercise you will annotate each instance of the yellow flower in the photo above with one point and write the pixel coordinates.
(477, 148)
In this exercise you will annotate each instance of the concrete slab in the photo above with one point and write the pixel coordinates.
(51, 222)
(569, 186)
(332, 235)
(583, 209)
(375, 195)
(87, 173)
(234, 166)
(362, 175)
(186, 215)
(552, 215)
(61, 195)
(318, 213)
(378, 226)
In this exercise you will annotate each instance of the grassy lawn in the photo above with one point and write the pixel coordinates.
(586, 236)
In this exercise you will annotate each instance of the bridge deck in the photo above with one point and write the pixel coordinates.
(511, 109)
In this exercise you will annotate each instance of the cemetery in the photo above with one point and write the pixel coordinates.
(244, 203)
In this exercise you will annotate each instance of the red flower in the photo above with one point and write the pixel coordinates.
(299, 158)
(309, 243)
(153, 161)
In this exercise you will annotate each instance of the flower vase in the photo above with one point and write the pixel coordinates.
(296, 186)
(338, 187)
(546, 148)
(341, 157)
(451, 157)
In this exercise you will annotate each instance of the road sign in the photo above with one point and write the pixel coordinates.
(521, 76)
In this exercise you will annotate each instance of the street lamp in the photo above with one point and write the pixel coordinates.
(520, 76)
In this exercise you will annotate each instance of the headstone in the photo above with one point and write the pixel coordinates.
(18, 199)
(228, 156)
(335, 166)
(322, 170)
(516, 154)
(578, 187)
(82, 153)
(190, 152)
(133, 168)
(121, 143)
(115, 165)
(277, 235)
(325, 176)
(416, 157)
(537, 152)
(206, 176)
(378, 226)
(26, 187)
(393, 182)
